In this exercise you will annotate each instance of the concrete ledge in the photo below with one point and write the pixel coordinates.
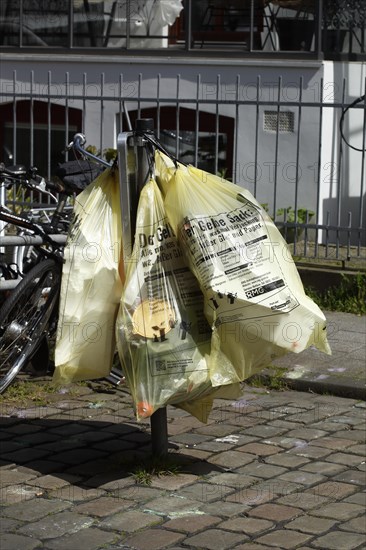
(321, 278)
(333, 386)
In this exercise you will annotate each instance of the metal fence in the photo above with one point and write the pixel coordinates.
(333, 28)
(265, 139)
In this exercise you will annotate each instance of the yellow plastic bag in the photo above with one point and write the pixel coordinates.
(91, 285)
(163, 337)
(254, 297)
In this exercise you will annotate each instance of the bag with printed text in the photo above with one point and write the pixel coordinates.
(254, 299)
(163, 337)
(91, 284)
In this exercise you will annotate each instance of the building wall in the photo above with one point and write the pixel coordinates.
(281, 169)
(343, 170)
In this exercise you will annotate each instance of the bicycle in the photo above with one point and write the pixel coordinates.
(28, 317)
(17, 260)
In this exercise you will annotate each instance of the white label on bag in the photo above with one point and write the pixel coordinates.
(234, 259)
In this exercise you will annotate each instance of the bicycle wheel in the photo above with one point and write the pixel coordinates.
(25, 316)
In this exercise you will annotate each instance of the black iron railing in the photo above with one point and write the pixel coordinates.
(325, 28)
(300, 149)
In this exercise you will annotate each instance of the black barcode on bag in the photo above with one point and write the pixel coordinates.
(160, 365)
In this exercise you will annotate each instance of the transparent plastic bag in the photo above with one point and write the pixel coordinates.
(254, 298)
(91, 284)
(163, 337)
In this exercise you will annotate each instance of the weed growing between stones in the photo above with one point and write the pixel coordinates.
(348, 297)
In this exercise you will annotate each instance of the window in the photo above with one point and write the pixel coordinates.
(39, 136)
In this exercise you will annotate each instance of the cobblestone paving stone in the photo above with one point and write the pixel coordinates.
(278, 469)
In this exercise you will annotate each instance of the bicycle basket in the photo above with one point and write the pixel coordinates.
(78, 173)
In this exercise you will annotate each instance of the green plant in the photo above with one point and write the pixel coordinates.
(92, 149)
(349, 296)
(272, 379)
(38, 392)
(276, 378)
(158, 467)
(222, 173)
(25, 391)
(109, 154)
(288, 214)
(21, 202)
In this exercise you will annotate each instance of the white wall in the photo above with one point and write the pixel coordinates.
(246, 80)
(343, 169)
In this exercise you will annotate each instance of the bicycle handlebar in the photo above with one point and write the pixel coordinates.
(13, 172)
(11, 175)
(31, 179)
(77, 144)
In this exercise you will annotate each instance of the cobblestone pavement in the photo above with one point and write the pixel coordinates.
(278, 469)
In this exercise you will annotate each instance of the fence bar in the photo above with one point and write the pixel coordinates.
(209, 107)
(256, 136)
(363, 163)
(261, 17)
(197, 119)
(297, 176)
(339, 176)
(177, 120)
(217, 123)
(276, 148)
(15, 129)
(188, 25)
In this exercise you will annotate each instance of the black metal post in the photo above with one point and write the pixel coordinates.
(159, 433)
(318, 14)
(130, 188)
(188, 25)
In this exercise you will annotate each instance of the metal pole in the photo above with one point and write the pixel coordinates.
(142, 168)
(131, 145)
(188, 25)
(318, 13)
(159, 433)
(126, 190)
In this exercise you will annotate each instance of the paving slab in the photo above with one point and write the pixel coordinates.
(340, 539)
(272, 469)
